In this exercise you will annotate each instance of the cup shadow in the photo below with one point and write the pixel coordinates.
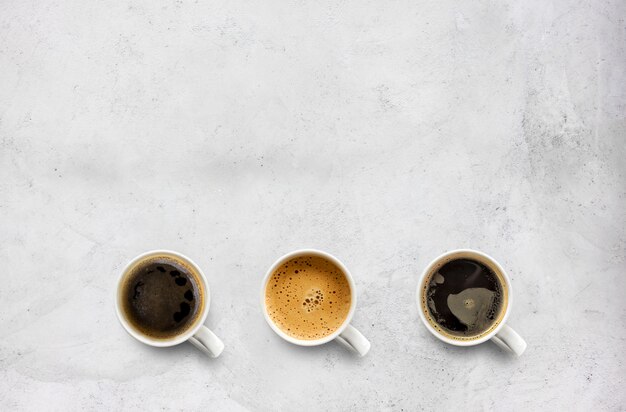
(182, 350)
(315, 351)
(487, 349)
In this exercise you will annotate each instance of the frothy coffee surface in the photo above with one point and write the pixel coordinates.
(464, 298)
(161, 297)
(308, 297)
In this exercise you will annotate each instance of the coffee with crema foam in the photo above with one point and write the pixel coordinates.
(308, 297)
(464, 298)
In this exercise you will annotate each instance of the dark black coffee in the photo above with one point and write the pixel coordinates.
(464, 297)
(161, 297)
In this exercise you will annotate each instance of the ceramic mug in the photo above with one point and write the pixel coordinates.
(198, 335)
(346, 334)
(499, 333)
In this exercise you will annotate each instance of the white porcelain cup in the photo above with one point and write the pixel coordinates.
(346, 334)
(499, 333)
(198, 334)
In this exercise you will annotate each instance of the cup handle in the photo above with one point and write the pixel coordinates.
(207, 342)
(352, 339)
(508, 339)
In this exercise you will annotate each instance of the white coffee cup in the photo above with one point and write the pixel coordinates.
(199, 335)
(346, 334)
(502, 335)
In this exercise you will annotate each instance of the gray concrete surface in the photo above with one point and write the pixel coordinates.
(383, 132)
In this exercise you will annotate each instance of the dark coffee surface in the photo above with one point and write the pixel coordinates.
(161, 297)
(464, 297)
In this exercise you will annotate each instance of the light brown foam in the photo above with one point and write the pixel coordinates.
(308, 297)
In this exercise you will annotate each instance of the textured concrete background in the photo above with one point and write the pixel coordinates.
(382, 132)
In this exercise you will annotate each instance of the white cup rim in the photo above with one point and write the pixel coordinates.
(340, 265)
(420, 285)
(179, 338)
